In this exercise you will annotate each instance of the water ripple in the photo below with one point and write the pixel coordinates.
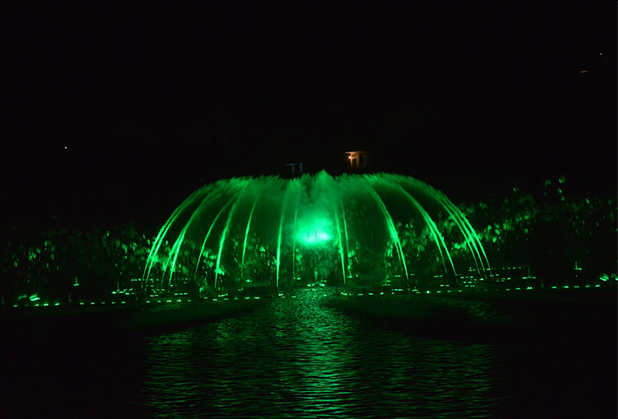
(297, 358)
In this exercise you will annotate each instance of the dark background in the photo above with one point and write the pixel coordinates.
(118, 112)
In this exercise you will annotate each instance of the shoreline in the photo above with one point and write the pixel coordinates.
(541, 316)
(34, 323)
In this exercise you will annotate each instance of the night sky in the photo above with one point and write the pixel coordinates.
(120, 111)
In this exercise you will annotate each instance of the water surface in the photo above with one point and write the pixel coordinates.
(295, 357)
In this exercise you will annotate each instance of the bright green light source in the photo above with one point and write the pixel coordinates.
(316, 230)
(314, 237)
(34, 297)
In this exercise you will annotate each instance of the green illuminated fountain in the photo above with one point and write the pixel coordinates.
(354, 230)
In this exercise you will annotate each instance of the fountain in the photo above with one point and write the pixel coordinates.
(367, 231)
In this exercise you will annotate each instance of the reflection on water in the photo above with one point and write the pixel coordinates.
(295, 357)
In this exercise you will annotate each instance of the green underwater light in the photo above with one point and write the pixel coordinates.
(314, 231)
(315, 237)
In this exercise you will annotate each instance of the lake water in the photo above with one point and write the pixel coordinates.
(295, 357)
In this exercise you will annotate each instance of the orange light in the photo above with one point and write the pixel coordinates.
(583, 71)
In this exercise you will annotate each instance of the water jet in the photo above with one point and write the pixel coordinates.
(368, 231)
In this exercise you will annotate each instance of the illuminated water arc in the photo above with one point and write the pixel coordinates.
(438, 238)
(477, 241)
(392, 230)
(224, 236)
(347, 240)
(279, 237)
(284, 205)
(205, 202)
(472, 241)
(199, 256)
(470, 235)
(244, 246)
(176, 247)
(163, 232)
(178, 243)
(345, 229)
(343, 272)
(294, 242)
(174, 253)
(466, 235)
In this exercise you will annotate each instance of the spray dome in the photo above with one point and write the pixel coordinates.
(371, 230)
